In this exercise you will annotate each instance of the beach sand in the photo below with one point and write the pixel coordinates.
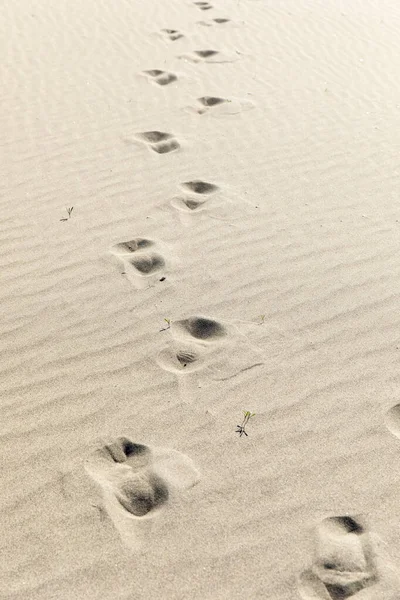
(233, 245)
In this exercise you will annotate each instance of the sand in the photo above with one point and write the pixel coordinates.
(233, 245)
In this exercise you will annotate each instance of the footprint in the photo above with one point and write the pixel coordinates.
(201, 328)
(209, 56)
(140, 261)
(211, 22)
(160, 77)
(392, 420)
(344, 562)
(159, 142)
(205, 102)
(220, 106)
(148, 264)
(200, 187)
(203, 5)
(202, 345)
(199, 192)
(137, 483)
(180, 359)
(132, 246)
(172, 34)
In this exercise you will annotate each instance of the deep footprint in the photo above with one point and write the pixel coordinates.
(136, 482)
(343, 565)
(161, 77)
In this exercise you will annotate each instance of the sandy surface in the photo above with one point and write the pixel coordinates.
(233, 246)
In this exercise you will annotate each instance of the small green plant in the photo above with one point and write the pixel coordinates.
(168, 322)
(69, 211)
(262, 319)
(241, 429)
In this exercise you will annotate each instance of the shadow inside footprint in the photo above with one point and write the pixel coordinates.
(199, 187)
(206, 53)
(211, 101)
(142, 493)
(123, 449)
(165, 147)
(147, 264)
(344, 563)
(154, 137)
(202, 328)
(192, 204)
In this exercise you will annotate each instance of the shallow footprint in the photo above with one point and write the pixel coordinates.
(220, 106)
(140, 262)
(392, 420)
(206, 102)
(199, 190)
(203, 5)
(192, 348)
(137, 483)
(343, 564)
(172, 34)
(216, 351)
(159, 141)
(180, 360)
(132, 246)
(211, 22)
(160, 77)
(209, 56)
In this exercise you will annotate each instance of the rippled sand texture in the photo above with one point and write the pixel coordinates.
(233, 170)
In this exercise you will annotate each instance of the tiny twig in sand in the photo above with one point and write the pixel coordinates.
(69, 211)
(168, 322)
(241, 429)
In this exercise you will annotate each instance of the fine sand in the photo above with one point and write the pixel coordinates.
(232, 168)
